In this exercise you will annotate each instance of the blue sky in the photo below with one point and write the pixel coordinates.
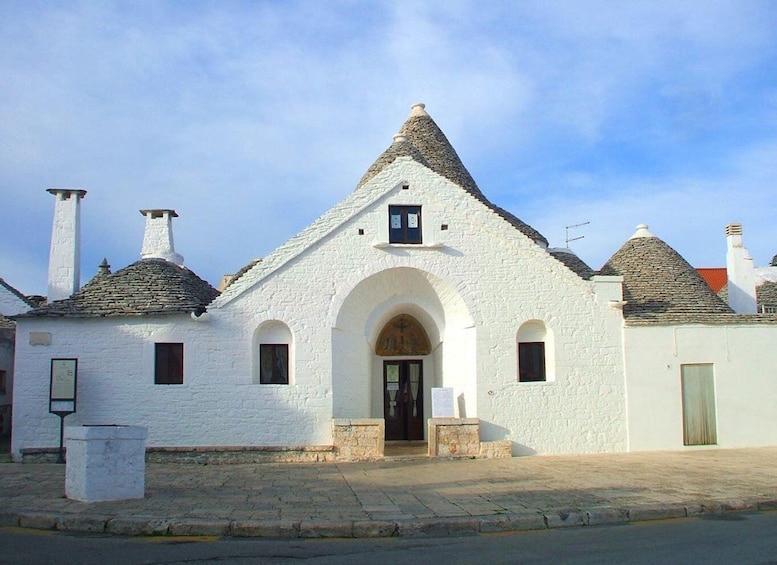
(251, 119)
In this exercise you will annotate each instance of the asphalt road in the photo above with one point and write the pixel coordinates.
(728, 538)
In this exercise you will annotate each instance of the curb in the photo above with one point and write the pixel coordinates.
(434, 527)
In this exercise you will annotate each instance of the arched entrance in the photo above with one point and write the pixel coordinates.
(403, 385)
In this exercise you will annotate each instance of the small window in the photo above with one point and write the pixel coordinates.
(2, 382)
(274, 363)
(168, 364)
(405, 224)
(531, 362)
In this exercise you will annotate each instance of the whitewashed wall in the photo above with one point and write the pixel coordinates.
(745, 373)
(472, 286)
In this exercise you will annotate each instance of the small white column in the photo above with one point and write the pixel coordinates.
(158, 238)
(65, 252)
(741, 274)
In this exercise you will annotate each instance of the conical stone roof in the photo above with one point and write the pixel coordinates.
(659, 286)
(421, 139)
(148, 286)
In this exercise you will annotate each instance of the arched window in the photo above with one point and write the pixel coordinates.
(535, 352)
(273, 354)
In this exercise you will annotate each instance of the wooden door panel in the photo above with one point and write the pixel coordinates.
(403, 406)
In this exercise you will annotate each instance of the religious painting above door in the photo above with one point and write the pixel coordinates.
(403, 335)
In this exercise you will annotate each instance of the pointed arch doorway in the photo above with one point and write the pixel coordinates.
(403, 338)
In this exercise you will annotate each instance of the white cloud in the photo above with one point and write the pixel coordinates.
(251, 119)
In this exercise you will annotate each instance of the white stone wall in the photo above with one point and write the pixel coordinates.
(472, 286)
(745, 386)
(218, 404)
(10, 304)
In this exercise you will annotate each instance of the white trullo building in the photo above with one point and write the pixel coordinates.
(413, 282)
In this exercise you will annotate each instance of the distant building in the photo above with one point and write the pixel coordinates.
(414, 282)
(12, 302)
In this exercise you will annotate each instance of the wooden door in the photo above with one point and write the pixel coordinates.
(403, 400)
(699, 419)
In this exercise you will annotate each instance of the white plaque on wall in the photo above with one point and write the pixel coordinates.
(442, 402)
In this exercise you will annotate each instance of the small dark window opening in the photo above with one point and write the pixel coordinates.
(405, 186)
(361, 231)
(531, 362)
(405, 224)
(2, 382)
(444, 227)
(168, 364)
(274, 364)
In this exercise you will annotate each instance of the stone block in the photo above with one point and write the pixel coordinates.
(326, 529)
(501, 449)
(454, 437)
(515, 522)
(264, 529)
(105, 463)
(564, 519)
(359, 439)
(601, 516)
(439, 527)
(645, 512)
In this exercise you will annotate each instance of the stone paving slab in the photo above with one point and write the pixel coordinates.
(421, 497)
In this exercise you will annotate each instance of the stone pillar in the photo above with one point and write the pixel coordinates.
(158, 240)
(105, 463)
(454, 437)
(359, 439)
(65, 251)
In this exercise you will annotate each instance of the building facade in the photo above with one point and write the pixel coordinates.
(413, 282)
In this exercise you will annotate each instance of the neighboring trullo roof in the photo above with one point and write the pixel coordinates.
(421, 139)
(148, 286)
(572, 262)
(661, 287)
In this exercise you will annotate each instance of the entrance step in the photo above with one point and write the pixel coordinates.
(403, 450)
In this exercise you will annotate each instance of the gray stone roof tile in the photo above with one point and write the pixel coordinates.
(425, 143)
(766, 295)
(572, 262)
(148, 286)
(660, 287)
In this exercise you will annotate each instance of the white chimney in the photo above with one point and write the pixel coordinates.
(741, 275)
(158, 239)
(65, 253)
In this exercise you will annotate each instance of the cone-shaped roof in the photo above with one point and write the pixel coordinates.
(659, 286)
(421, 139)
(148, 286)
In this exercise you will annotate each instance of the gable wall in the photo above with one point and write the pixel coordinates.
(503, 279)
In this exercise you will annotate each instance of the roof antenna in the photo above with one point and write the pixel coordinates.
(566, 230)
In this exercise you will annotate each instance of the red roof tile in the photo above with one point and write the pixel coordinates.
(716, 277)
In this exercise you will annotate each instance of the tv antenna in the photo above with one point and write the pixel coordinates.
(567, 228)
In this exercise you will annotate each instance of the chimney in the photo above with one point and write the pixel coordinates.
(741, 274)
(158, 238)
(65, 253)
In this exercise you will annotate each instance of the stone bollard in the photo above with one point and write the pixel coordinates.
(105, 463)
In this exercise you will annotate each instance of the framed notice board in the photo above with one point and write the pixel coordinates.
(64, 377)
